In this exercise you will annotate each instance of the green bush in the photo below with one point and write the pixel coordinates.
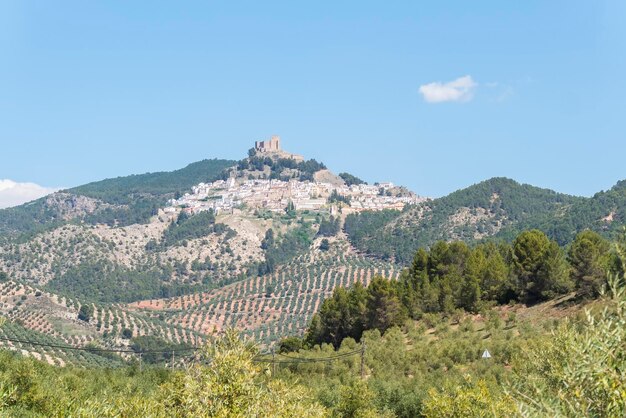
(580, 369)
(85, 313)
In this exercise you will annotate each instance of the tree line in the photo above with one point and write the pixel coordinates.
(453, 276)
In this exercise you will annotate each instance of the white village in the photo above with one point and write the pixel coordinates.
(226, 196)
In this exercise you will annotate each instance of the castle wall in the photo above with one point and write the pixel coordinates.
(272, 145)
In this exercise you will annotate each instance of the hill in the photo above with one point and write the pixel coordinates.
(498, 208)
(274, 305)
(119, 201)
(266, 307)
(604, 212)
(424, 368)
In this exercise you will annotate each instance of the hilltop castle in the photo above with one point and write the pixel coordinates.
(272, 147)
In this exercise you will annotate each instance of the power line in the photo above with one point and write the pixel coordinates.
(304, 360)
(95, 349)
(315, 359)
(291, 359)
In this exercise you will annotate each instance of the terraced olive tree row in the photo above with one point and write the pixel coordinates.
(52, 355)
(276, 305)
(48, 318)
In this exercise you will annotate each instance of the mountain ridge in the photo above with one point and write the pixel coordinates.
(497, 208)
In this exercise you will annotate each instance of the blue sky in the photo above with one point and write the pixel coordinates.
(90, 90)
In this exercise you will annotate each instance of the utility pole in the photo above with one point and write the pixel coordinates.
(273, 361)
(140, 362)
(363, 360)
(172, 359)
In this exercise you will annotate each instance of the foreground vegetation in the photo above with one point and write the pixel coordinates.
(431, 366)
(550, 369)
(224, 382)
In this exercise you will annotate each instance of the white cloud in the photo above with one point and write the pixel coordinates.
(14, 194)
(459, 90)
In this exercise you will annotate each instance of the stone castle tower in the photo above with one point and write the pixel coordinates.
(271, 148)
(273, 145)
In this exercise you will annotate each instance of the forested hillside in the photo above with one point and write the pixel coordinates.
(122, 190)
(119, 201)
(604, 212)
(498, 208)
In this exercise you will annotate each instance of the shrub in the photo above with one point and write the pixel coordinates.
(577, 371)
(233, 385)
(468, 399)
(85, 312)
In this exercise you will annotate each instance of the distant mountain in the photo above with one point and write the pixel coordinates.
(496, 208)
(120, 201)
(122, 190)
(604, 212)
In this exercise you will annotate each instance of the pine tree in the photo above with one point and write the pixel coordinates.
(539, 267)
(384, 309)
(588, 257)
(471, 292)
